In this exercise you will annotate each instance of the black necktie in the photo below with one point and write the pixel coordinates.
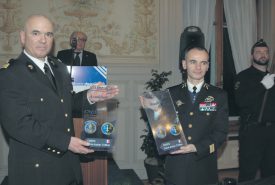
(194, 93)
(49, 74)
(77, 59)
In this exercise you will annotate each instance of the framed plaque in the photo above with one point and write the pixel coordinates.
(163, 120)
(84, 76)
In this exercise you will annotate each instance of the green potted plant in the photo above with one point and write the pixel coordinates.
(154, 163)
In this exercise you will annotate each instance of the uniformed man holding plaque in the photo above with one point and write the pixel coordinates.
(203, 114)
(36, 102)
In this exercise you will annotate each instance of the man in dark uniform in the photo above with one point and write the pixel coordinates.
(204, 118)
(77, 56)
(257, 130)
(36, 102)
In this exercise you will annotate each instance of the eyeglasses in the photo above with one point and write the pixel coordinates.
(81, 39)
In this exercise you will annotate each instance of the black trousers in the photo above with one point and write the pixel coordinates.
(256, 152)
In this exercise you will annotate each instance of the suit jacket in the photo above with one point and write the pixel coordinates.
(205, 124)
(38, 120)
(88, 58)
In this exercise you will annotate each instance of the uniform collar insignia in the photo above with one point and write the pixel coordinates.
(52, 61)
(184, 84)
(209, 99)
(206, 85)
(179, 103)
(30, 67)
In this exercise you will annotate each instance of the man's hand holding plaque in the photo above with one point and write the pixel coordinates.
(100, 92)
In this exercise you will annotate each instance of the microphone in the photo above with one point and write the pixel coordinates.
(74, 43)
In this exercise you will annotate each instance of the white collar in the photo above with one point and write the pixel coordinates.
(198, 86)
(39, 63)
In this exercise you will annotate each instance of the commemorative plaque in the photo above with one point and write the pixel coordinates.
(99, 125)
(99, 119)
(163, 120)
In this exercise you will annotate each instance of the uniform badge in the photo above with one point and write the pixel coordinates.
(211, 148)
(30, 67)
(206, 86)
(209, 99)
(179, 103)
(208, 106)
(184, 84)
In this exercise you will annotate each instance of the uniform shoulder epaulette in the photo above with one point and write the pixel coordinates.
(8, 63)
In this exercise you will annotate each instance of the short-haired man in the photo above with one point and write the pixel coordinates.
(255, 96)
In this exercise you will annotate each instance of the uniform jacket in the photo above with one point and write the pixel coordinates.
(88, 58)
(39, 124)
(205, 124)
(249, 94)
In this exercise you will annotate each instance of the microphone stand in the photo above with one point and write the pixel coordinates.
(73, 44)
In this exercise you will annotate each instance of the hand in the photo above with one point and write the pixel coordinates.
(190, 148)
(100, 92)
(268, 80)
(79, 146)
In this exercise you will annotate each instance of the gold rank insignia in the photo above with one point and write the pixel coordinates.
(184, 84)
(6, 65)
(179, 103)
(209, 99)
(212, 148)
(237, 85)
(206, 86)
(30, 67)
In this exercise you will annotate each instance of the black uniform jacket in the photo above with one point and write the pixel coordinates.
(39, 124)
(249, 94)
(205, 124)
(88, 58)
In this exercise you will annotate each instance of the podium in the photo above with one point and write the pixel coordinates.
(94, 172)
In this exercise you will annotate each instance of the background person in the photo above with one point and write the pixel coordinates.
(68, 56)
(257, 130)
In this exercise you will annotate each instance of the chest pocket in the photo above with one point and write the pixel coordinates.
(42, 108)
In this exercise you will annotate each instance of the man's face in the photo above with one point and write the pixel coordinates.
(37, 37)
(196, 64)
(81, 41)
(261, 55)
(152, 103)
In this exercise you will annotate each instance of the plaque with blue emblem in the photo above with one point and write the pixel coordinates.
(99, 125)
(84, 76)
(163, 121)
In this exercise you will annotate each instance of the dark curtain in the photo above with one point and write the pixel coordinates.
(229, 74)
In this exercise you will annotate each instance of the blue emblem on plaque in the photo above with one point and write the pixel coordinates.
(107, 128)
(90, 126)
(161, 132)
(175, 130)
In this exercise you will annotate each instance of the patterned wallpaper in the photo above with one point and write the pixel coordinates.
(123, 28)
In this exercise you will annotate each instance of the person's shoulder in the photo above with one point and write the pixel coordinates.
(176, 87)
(55, 62)
(10, 64)
(245, 72)
(64, 51)
(88, 53)
(214, 89)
